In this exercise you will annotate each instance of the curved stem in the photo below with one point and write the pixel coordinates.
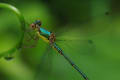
(22, 22)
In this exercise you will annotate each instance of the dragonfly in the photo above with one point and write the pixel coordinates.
(50, 38)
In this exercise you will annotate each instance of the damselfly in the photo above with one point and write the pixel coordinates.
(50, 38)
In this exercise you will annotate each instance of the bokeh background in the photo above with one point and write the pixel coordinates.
(87, 30)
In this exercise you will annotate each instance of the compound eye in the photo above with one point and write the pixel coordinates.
(32, 26)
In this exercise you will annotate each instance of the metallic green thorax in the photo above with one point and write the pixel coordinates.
(44, 33)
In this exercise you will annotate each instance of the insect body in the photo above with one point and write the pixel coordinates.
(50, 38)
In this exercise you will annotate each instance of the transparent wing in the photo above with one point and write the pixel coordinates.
(75, 38)
(77, 41)
(78, 46)
(95, 24)
(44, 68)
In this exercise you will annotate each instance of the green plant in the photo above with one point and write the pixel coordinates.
(22, 21)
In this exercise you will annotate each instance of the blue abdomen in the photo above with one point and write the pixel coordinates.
(56, 47)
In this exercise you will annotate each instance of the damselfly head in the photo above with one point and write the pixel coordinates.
(36, 24)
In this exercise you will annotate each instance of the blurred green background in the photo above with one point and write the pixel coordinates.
(89, 30)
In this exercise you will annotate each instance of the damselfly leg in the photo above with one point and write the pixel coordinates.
(30, 37)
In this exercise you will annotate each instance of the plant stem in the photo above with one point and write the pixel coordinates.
(22, 22)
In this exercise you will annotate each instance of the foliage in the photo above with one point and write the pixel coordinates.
(87, 31)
